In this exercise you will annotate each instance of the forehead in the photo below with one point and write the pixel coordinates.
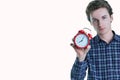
(99, 12)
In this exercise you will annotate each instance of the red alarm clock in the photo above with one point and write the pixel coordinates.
(82, 39)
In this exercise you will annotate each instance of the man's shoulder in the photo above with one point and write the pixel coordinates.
(117, 37)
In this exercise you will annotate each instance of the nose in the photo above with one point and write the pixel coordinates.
(100, 23)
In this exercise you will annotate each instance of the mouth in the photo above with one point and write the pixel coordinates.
(101, 29)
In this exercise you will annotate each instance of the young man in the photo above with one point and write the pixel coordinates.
(102, 57)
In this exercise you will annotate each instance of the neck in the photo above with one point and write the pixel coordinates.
(107, 37)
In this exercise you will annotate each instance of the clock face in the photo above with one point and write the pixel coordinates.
(81, 40)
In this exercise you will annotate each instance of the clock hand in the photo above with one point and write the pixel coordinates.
(81, 39)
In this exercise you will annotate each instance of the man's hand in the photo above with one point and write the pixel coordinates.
(81, 53)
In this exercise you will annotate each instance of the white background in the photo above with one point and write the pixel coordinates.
(35, 37)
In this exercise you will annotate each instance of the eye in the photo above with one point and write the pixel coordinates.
(94, 20)
(104, 17)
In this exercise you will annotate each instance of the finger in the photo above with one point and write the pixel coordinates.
(73, 39)
(72, 44)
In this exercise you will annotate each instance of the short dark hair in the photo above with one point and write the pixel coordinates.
(95, 4)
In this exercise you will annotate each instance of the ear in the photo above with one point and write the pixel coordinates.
(111, 18)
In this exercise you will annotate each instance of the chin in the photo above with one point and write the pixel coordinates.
(102, 32)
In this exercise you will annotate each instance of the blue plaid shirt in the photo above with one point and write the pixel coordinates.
(102, 61)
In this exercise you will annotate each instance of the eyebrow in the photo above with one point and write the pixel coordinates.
(96, 18)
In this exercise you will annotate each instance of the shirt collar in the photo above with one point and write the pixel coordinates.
(115, 37)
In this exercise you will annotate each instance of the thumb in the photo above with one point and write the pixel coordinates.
(88, 48)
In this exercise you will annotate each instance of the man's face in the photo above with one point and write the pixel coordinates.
(101, 20)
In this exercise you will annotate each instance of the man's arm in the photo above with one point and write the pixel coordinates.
(78, 71)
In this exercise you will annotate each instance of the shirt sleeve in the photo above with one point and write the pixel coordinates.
(78, 71)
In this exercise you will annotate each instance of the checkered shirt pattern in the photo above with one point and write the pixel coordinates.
(102, 61)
